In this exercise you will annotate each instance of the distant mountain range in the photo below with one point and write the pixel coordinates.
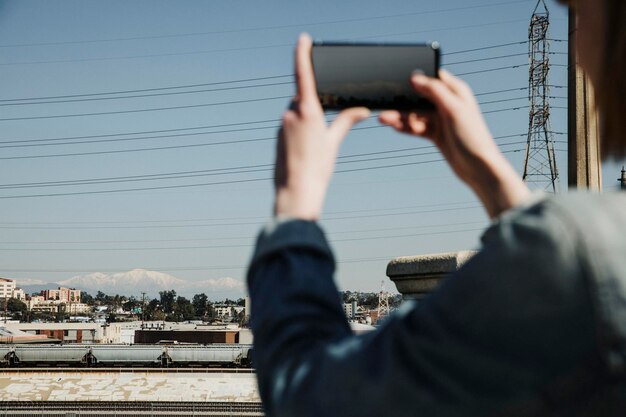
(140, 280)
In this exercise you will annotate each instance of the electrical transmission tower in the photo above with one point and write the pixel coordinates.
(383, 302)
(540, 170)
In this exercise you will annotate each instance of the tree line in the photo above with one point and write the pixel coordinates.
(168, 306)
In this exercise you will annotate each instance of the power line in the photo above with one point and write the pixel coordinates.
(84, 242)
(188, 268)
(171, 93)
(178, 135)
(28, 144)
(486, 47)
(214, 183)
(221, 246)
(145, 132)
(192, 174)
(68, 98)
(263, 28)
(160, 148)
(222, 171)
(247, 48)
(72, 138)
(145, 90)
(510, 90)
(73, 98)
(197, 105)
(332, 212)
(248, 238)
(189, 106)
(485, 71)
(502, 110)
(485, 59)
(230, 224)
(504, 100)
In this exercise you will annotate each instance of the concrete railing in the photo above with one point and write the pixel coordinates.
(416, 276)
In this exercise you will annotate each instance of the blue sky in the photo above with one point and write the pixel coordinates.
(395, 197)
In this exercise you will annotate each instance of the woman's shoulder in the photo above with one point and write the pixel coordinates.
(577, 234)
(574, 227)
(598, 213)
(594, 214)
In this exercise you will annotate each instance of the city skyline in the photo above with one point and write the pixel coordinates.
(142, 137)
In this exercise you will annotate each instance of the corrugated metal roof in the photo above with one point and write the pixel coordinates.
(120, 386)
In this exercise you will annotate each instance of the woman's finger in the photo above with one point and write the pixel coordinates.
(436, 91)
(391, 118)
(345, 120)
(305, 80)
(411, 123)
(457, 85)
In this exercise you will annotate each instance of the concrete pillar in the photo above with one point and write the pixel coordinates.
(584, 160)
(416, 276)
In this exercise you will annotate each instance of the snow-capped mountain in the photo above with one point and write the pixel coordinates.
(140, 280)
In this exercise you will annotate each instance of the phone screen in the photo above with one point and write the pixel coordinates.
(372, 75)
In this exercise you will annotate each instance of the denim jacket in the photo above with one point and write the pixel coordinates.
(533, 325)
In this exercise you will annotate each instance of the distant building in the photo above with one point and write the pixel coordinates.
(7, 287)
(39, 303)
(224, 310)
(19, 294)
(350, 309)
(34, 300)
(73, 332)
(52, 306)
(62, 294)
(201, 334)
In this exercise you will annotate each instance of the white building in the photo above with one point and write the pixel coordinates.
(7, 287)
(19, 294)
(74, 332)
(49, 306)
(350, 309)
(62, 294)
(222, 310)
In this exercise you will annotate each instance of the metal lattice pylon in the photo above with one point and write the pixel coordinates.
(540, 170)
(383, 302)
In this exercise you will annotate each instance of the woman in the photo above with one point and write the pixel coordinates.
(534, 324)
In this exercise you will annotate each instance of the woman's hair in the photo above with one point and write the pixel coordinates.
(611, 92)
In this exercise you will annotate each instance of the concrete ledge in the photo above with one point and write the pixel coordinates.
(416, 276)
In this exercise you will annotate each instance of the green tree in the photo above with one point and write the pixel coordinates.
(101, 297)
(167, 298)
(182, 310)
(87, 299)
(210, 311)
(200, 304)
(61, 314)
(151, 310)
(131, 304)
(16, 306)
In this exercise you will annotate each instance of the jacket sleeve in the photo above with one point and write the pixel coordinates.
(513, 320)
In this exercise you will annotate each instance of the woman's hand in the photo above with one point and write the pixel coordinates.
(458, 129)
(307, 146)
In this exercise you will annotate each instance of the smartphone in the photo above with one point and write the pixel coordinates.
(374, 75)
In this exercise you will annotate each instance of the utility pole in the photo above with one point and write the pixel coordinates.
(540, 170)
(584, 160)
(143, 308)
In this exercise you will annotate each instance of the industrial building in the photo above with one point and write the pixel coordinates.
(128, 393)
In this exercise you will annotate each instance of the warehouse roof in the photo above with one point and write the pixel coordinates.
(127, 386)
